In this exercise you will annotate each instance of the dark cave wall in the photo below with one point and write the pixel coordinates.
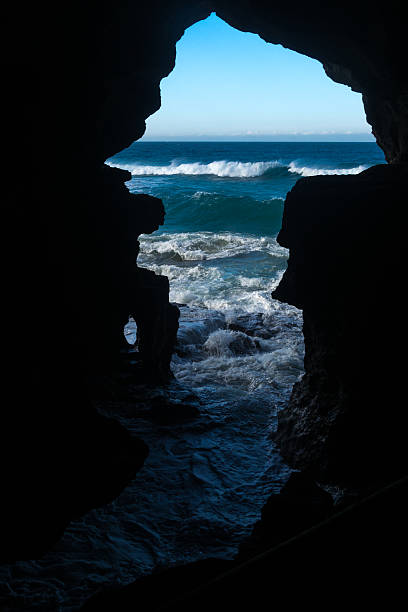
(79, 82)
(358, 47)
(344, 423)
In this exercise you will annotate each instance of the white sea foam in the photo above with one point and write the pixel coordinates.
(306, 171)
(233, 169)
(231, 359)
(198, 267)
(252, 282)
(221, 168)
(200, 246)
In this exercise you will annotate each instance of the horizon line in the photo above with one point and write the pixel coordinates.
(246, 140)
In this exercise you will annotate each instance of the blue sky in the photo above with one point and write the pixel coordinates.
(232, 85)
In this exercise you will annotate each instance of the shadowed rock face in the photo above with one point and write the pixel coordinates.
(79, 80)
(344, 421)
(157, 325)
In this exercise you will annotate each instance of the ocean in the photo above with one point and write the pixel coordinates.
(224, 204)
(238, 355)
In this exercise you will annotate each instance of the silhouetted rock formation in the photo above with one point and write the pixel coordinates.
(78, 81)
(157, 324)
(343, 421)
(300, 504)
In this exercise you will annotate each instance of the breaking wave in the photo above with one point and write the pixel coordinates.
(200, 246)
(306, 171)
(234, 169)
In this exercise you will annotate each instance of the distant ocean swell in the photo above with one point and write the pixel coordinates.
(235, 169)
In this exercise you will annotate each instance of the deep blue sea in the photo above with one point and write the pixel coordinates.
(240, 352)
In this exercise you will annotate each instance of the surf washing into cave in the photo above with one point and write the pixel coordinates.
(212, 463)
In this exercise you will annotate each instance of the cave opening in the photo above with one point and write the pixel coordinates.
(241, 121)
(239, 352)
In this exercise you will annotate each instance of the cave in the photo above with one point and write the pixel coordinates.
(79, 83)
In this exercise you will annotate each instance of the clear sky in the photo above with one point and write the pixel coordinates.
(232, 85)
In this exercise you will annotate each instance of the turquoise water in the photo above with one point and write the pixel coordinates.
(233, 186)
(224, 204)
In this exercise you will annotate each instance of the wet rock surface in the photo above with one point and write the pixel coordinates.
(253, 325)
(299, 505)
(301, 531)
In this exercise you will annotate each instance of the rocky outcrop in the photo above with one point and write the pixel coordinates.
(157, 325)
(299, 505)
(344, 421)
(77, 459)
